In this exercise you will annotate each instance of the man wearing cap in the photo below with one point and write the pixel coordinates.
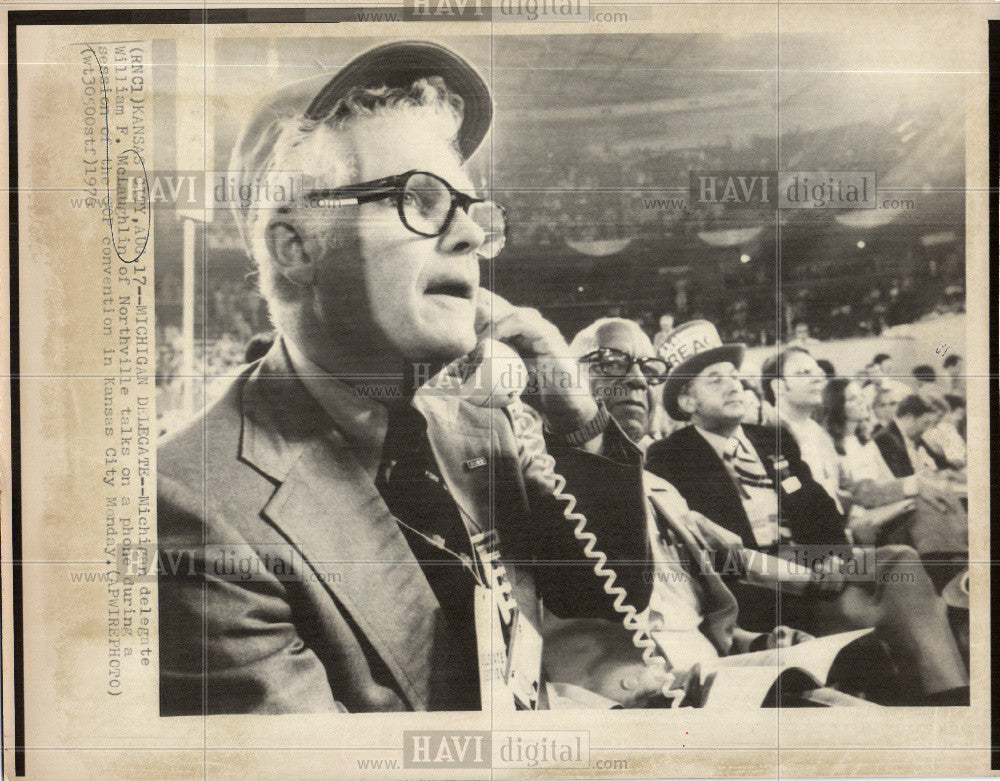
(732, 473)
(692, 614)
(324, 551)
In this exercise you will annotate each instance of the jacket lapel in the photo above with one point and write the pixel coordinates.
(902, 453)
(717, 487)
(465, 446)
(329, 509)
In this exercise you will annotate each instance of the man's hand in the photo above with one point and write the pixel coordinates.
(900, 594)
(780, 637)
(563, 384)
(935, 494)
(637, 686)
(785, 637)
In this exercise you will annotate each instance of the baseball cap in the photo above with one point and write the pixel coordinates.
(395, 64)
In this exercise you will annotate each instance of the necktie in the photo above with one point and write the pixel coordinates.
(757, 492)
(415, 494)
(746, 466)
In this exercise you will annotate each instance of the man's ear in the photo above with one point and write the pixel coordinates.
(686, 403)
(288, 251)
(774, 386)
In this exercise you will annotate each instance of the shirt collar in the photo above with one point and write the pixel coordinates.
(362, 421)
(722, 445)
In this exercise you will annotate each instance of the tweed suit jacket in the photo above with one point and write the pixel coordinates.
(285, 583)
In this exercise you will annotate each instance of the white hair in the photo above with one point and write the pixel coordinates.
(588, 339)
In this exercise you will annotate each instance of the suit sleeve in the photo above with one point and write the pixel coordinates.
(227, 645)
(893, 452)
(869, 494)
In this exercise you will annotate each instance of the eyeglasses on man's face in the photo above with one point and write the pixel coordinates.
(617, 363)
(426, 205)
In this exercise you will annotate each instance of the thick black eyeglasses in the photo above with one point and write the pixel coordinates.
(616, 363)
(426, 204)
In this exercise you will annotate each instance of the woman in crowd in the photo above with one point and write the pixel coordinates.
(867, 486)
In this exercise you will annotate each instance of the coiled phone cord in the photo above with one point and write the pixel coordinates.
(541, 469)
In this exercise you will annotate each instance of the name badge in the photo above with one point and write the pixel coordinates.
(493, 691)
(762, 512)
(791, 484)
(524, 662)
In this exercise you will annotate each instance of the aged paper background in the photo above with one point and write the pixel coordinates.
(75, 728)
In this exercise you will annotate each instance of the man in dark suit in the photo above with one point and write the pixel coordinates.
(748, 479)
(901, 443)
(737, 475)
(328, 530)
(693, 614)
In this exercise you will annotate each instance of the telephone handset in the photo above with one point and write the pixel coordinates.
(494, 375)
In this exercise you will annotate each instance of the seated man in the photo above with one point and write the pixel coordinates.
(947, 437)
(954, 367)
(692, 615)
(901, 441)
(793, 382)
(728, 471)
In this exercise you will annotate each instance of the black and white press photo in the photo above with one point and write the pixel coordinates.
(384, 379)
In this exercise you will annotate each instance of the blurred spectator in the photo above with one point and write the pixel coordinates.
(801, 337)
(886, 366)
(666, 326)
(886, 401)
(901, 441)
(866, 482)
(947, 437)
(925, 376)
(752, 404)
(954, 366)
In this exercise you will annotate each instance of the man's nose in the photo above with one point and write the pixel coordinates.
(463, 237)
(733, 385)
(634, 379)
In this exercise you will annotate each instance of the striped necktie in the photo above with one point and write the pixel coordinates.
(747, 467)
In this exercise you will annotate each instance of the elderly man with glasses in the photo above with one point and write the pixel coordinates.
(625, 373)
(335, 536)
(694, 616)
